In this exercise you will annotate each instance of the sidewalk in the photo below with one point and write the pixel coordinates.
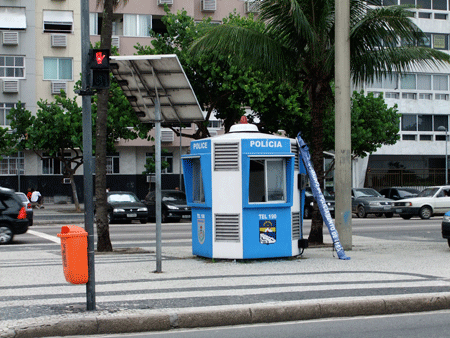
(382, 277)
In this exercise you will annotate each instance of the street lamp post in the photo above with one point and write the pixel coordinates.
(442, 128)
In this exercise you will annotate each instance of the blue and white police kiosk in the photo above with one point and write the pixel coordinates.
(244, 193)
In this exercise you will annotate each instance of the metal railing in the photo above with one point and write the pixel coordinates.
(419, 178)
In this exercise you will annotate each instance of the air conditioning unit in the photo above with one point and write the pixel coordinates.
(165, 2)
(59, 40)
(167, 136)
(115, 41)
(208, 5)
(66, 180)
(10, 86)
(151, 179)
(10, 38)
(251, 6)
(57, 86)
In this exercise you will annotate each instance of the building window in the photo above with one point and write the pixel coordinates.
(426, 137)
(215, 124)
(165, 157)
(441, 97)
(425, 122)
(439, 16)
(423, 82)
(423, 96)
(423, 15)
(137, 25)
(10, 164)
(197, 182)
(439, 4)
(58, 21)
(12, 66)
(440, 120)
(440, 41)
(112, 163)
(267, 180)
(409, 122)
(390, 95)
(4, 111)
(93, 24)
(409, 137)
(52, 166)
(440, 82)
(424, 4)
(409, 96)
(58, 69)
(408, 81)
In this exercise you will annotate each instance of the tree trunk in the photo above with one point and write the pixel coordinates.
(319, 98)
(74, 192)
(103, 238)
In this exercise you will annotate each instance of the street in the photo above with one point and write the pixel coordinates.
(179, 234)
(416, 325)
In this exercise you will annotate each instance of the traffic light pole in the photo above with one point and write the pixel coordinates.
(87, 154)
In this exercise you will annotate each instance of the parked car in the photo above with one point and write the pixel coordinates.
(173, 205)
(399, 193)
(369, 201)
(124, 206)
(27, 204)
(446, 227)
(431, 201)
(309, 203)
(13, 216)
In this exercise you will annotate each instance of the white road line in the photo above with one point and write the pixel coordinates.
(42, 235)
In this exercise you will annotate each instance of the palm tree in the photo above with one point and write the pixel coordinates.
(104, 241)
(298, 45)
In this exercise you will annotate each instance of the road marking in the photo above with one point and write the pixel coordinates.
(42, 235)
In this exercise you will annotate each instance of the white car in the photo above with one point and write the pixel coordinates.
(430, 202)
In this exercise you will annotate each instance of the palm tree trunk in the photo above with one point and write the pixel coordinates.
(318, 98)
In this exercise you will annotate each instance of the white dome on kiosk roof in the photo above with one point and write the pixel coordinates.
(244, 128)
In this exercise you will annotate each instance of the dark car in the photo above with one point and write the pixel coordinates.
(309, 203)
(173, 204)
(399, 193)
(27, 204)
(369, 201)
(446, 227)
(124, 206)
(13, 216)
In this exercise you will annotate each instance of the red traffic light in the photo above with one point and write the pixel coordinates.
(99, 58)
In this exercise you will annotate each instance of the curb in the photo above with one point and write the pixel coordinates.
(224, 316)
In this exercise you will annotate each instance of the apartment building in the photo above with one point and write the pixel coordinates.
(422, 97)
(40, 54)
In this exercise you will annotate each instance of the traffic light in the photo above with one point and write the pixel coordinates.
(99, 65)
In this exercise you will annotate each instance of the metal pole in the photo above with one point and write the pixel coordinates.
(181, 179)
(446, 158)
(87, 156)
(343, 178)
(158, 183)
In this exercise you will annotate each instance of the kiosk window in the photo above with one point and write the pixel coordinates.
(267, 180)
(197, 182)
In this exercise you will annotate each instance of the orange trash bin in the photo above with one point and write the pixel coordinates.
(74, 254)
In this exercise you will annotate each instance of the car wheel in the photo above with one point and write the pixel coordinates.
(389, 214)
(406, 216)
(361, 212)
(448, 240)
(6, 235)
(164, 217)
(143, 221)
(379, 214)
(425, 212)
(307, 213)
(109, 218)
